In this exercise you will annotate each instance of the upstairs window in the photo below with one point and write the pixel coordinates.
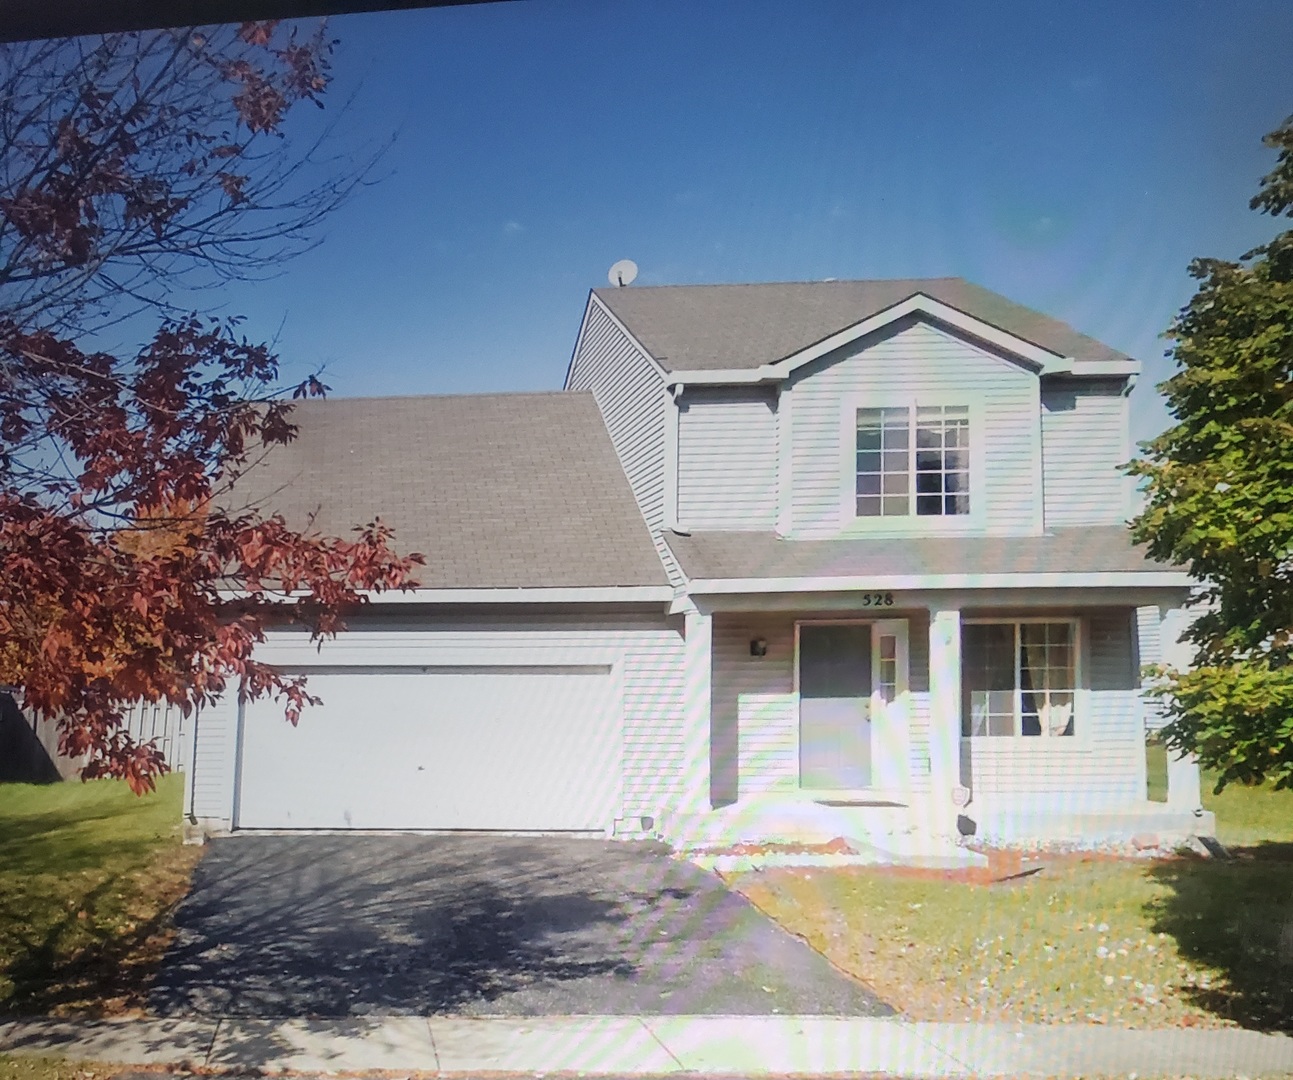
(928, 475)
(1018, 678)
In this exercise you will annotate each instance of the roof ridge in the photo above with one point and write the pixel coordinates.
(474, 395)
(775, 284)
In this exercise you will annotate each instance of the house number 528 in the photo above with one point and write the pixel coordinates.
(877, 599)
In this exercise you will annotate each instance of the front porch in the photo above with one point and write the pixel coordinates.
(890, 721)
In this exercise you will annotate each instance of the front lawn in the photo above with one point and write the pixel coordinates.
(32, 1067)
(89, 874)
(1184, 941)
(1245, 815)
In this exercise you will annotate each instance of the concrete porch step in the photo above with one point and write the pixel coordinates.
(881, 833)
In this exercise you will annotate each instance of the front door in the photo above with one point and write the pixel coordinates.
(835, 706)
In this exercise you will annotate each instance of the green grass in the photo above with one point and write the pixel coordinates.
(1245, 815)
(1185, 941)
(1181, 942)
(34, 1067)
(1156, 770)
(88, 876)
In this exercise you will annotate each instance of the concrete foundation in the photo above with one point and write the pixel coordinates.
(883, 834)
(1144, 824)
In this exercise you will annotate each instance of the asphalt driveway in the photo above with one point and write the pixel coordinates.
(361, 925)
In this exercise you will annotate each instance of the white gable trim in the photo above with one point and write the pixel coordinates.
(579, 342)
(593, 298)
(1042, 361)
(672, 421)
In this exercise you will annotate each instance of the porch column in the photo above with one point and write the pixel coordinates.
(944, 717)
(698, 664)
(1184, 791)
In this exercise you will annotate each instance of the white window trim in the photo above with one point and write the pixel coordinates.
(974, 521)
(1081, 737)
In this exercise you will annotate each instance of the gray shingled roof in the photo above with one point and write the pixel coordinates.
(496, 490)
(716, 327)
(1088, 549)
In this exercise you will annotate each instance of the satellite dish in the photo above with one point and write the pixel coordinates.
(624, 272)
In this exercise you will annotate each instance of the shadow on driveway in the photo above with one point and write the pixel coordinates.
(334, 926)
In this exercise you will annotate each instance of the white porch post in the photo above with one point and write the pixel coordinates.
(1184, 790)
(944, 718)
(698, 662)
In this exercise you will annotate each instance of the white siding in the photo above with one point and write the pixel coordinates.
(633, 401)
(754, 717)
(651, 651)
(755, 712)
(209, 790)
(1177, 652)
(912, 359)
(1085, 437)
(1149, 648)
(727, 459)
(1149, 635)
(918, 711)
(1104, 765)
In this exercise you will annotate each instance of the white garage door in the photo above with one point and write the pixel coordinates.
(436, 748)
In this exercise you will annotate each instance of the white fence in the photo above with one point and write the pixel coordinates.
(165, 723)
(143, 721)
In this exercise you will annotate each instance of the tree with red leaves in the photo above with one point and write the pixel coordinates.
(129, 166)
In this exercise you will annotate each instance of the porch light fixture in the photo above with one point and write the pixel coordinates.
(759, 647)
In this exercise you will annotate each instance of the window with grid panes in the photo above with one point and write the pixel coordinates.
(928, 475)
(1018, 678)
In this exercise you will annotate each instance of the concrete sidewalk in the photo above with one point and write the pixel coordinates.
(652, 1046)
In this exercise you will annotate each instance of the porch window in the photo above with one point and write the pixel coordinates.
(928, 475)
(1018, 678)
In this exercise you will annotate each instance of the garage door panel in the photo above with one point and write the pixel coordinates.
(460, 748)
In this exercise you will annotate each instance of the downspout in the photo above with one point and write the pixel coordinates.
(193, 770)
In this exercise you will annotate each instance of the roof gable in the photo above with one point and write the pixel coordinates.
(731, 328)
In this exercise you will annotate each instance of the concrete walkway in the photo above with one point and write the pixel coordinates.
(651, 1046)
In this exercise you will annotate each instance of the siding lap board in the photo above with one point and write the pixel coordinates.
(1084, 439)
(755, 737)
(632, 398)
(727, 460)
(1149, 641)
(754, 721)
(912, 359)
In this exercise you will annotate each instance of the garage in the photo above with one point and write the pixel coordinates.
(517, 749)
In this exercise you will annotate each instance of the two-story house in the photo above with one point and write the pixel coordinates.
(894, 516)
(856, 545)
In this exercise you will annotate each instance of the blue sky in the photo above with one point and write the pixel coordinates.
(1074, 157)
